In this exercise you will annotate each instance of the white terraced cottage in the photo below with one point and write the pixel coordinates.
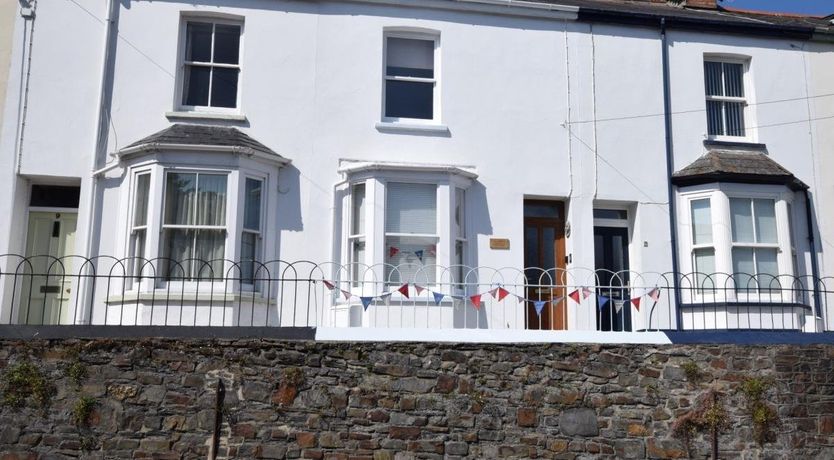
(442, 164)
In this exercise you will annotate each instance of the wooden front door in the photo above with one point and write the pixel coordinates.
(544, 262)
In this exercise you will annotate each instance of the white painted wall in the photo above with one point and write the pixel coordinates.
(519, 96)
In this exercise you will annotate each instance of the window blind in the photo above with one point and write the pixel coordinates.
(411, 208)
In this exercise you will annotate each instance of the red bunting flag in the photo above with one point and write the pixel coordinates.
(347, 294)
(636, 303)
(476, 301)
(392, 251)
(654, 294)
(329, 285)
(586, 293)
(499, 293)
(419, 289)
(403, 290)
(574, 295)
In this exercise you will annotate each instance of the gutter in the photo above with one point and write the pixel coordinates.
(518, 8)
(670, 169)
(102, 124)
(170, 147)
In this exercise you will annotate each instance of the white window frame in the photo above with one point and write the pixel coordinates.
(374, 281)
(720, 195)
(259, 232)
(179, 105)
(154, 276)
(747, 100)
(357, 267)
(412, 34)
(136, 260)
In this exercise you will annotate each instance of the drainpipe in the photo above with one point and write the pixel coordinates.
(670, 169)
(812, 242)
(102, 123)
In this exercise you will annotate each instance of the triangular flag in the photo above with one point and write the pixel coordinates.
(520, 298)
(618, 306)
(586, 292)
(347, 294)
(602, 300)
(392, 251)
(419, 289)
(499, 293)
(557, 300)
(366, 301)
(419, 254)
(654, 294)
(438, 297)
(433, 249)
(539, 304)
(329, 284)
(636, 302)
(574, 295)
(386, 297)
(476, 301)
(403, 290)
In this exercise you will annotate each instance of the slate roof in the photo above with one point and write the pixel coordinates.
(196, 135)
(739, 165)
(779, 23)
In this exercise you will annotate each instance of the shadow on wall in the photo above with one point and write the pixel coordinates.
(289, 201)
(478, 222)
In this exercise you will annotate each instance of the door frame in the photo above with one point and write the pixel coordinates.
(560, 264)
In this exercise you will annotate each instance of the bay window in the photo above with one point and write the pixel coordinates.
(250, 238)
(194, 225)
(404, 223)
(740, 238)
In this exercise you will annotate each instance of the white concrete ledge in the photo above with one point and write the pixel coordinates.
(204, 116)
(387, 126)
(360, 334)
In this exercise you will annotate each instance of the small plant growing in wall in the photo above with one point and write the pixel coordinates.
(764, 416)
(76, 371)
(709, 416)
(24, 382)
(693, 372)
(82, 410)
(291, 379)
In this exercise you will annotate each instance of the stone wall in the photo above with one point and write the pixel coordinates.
(159, 399)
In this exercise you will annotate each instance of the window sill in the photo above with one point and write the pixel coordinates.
(724, 141)
(400, 127)
(204, 116)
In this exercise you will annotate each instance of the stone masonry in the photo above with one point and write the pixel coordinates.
(158, 399)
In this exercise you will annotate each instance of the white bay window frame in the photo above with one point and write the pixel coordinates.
(376, 178)
(153, 275)
(720, 195)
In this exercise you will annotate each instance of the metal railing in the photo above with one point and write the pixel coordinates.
(74, 290)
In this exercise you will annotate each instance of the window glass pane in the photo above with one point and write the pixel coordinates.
(209, 250)
(411, 208)
(211, 206)
(712, 78)
(733, 80)
(410, 58)
(741, 216)
(248, 256)
(459, 272)
(196, 85)
(177, 245)
(701, 222)
(358, 266)
(715, 121)
(410, 260)
(226, 44)
(704, 263)
(224, 87)
(358, 205)
(460, 221)
(614, 214)
(252, 205)
(198, 41)
(137, 252)
(735, 118)
(765, 211)
(405, 99)
(743, 264)
(542, 209)
(767, 265)
(140, 203)
(180, 196)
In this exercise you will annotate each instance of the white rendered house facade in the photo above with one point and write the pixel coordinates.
(391, 142)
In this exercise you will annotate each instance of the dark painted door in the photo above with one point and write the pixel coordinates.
(611, 253)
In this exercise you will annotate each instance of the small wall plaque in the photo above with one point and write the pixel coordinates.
(499, 243)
